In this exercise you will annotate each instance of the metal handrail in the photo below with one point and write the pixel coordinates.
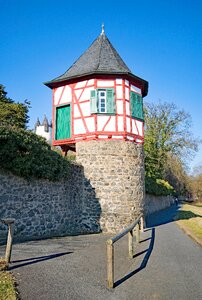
(139, 226)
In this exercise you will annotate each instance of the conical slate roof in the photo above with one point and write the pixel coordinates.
(37, 123)
(100, 58)
(45, 124)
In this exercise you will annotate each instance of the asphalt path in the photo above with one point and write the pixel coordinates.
(167, 265)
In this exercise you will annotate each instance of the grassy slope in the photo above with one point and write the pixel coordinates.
(189, 218)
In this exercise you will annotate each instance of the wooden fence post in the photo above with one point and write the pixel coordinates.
(10, 223)
(142, 224)
(137, 233)
(130, 244)
(135, 226)
(110, 264)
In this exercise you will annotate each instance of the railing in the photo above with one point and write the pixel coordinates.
(139, 226)
(10, 223)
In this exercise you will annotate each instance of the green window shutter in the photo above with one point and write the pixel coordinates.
(140, 113)
(136, 106)
(93, 102)
(132, 103)
(63, 122)
(110, 101)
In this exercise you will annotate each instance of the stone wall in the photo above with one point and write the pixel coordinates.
(114, 174)
(156, 203)
(42, 208)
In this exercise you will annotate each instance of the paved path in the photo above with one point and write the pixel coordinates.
(167, 265)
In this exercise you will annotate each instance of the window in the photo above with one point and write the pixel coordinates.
(136, 106)
(102, 101)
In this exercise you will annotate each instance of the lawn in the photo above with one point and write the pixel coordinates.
(7, 290)
(189, 218)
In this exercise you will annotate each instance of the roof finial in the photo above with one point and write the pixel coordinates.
(103, 28)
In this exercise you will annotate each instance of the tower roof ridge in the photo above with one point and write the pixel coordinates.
(100, 57)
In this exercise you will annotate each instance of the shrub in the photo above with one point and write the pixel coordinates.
(3, 264)
(26, 154)
(158, 187)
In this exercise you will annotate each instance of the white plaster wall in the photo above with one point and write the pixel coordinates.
(83, 94)
(105, 83)
(139, 126)
(57, 94)
(130, 138)
(85, 107)
(134, 127)
(120, 124)
(119, 107)
(86, 94)
(119, 81)
(78, 93)
(80, 84)
(76, 111)
(101, 121)
(127, 108)
(91, 82)
(111, 125)
(138, 141)
(63, 95)
(128, 127)
(127, 82)
(127, 94)
(40, 131)
(135, 89)
(103, 136)
(79, 127)
(90, 122)
(67, 95)
(119, 92)
(118, 137)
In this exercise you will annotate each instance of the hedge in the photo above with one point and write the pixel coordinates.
(26, 154)
(158, 187)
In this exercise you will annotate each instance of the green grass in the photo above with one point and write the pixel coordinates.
(197, 204)
(189, 217)
(7, 289)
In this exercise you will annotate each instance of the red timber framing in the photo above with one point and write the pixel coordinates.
(80, 101)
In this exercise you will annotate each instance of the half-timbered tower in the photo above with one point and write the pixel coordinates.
(98, 112)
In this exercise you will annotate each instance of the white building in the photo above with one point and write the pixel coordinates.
(44, 129)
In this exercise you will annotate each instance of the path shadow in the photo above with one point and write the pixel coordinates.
(143, 263)
(162, 217)
(142, 241)
(140, 253)
(186, 215)
(168, 215)
(35, 260)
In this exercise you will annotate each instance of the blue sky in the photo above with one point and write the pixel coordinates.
(160, 41)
